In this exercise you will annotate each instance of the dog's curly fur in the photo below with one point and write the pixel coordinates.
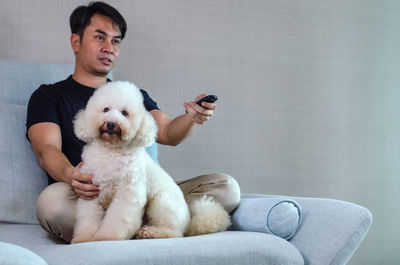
(137, 197)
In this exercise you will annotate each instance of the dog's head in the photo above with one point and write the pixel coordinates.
(115, 115)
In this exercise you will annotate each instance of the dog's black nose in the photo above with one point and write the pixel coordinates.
(111, 125)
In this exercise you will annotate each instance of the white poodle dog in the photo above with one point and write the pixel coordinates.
(137, 197)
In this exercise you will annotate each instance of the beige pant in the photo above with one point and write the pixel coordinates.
(56, 204)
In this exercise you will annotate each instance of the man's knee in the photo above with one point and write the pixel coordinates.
(55, 209)
(50, 200)
(222, 187)
(231, 191)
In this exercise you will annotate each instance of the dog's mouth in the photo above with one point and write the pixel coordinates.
(110, 132)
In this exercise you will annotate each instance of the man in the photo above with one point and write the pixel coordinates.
(97, 31)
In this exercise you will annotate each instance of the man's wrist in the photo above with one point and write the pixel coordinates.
(189, 118)
(68, 171)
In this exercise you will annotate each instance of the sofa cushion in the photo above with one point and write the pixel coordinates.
(225, 248)
(15, 255)
(21, 178)
(277, 216)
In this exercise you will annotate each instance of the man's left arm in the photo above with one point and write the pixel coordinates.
(174, 131)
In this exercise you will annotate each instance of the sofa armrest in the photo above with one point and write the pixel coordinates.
(331, 230)
(277, 216)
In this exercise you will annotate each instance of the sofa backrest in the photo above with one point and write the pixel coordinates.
(19, 79)
(21, 178)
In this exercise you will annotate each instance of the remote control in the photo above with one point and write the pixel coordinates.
(209, 99)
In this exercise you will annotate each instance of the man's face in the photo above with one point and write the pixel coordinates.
(98, 49)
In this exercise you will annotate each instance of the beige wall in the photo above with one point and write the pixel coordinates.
(309, 91)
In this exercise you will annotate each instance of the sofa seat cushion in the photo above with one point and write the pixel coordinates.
(232, 247)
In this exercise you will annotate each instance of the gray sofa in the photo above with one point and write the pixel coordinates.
(265, 229)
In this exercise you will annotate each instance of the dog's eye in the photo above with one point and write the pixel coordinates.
(106, 109)
(124, 112)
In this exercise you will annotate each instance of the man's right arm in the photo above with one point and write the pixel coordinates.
(46, 142)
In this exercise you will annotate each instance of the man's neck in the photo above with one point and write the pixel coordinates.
(89, 80)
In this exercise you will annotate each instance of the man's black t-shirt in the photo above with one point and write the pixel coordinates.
(59, 103)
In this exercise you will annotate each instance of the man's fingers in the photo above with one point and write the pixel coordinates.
(87, 197)
(207, 110)
(197, 107)
(84, 187)
(80, 165)
(198, 114)
(89, 194)
(82, 184)
(190, 110)
(200, 97)
(202, 113)
(86, 178)
(209, 106)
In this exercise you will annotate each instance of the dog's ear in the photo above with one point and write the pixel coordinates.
(147, 133)
(81, 126)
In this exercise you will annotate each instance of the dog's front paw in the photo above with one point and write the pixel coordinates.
(82, 238)
(107, 238)
(146, 232)
(105, 234)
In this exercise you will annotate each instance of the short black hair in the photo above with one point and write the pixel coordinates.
(80, 17)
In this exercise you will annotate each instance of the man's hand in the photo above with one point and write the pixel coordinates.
(200, 114)
(82, 183)
(173, 132)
